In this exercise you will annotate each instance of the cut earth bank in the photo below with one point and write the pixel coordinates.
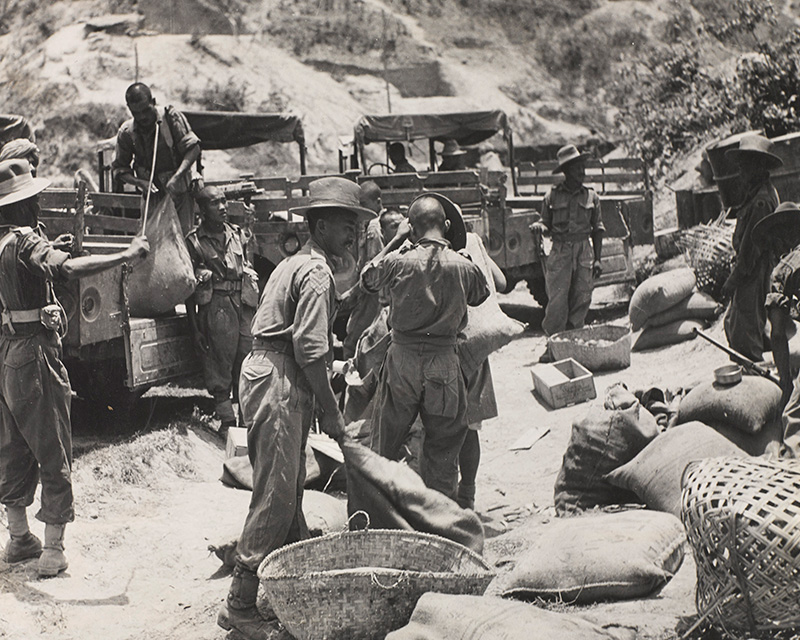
(147, 510)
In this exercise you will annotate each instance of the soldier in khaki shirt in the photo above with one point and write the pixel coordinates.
(429, 287)
(283, 379)
(571, 215)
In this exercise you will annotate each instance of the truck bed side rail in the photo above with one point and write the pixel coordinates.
(617, 176)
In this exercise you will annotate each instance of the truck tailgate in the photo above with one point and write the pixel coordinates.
(158, 350)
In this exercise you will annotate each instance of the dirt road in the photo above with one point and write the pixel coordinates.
(146, 513)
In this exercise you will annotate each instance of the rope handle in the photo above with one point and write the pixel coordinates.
(377, 582)
(355, 513)
(150, 182)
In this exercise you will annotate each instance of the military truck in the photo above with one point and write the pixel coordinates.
(500, 218)
(108, 352)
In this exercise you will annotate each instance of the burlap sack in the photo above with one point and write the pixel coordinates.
(396, 498)
(698, 306)
(748, 406)
(440, 616)
(672, 333)
(488, 328)
(607, 556)
(601, 441)
(658, 293)
(655, 474)
(166, 277)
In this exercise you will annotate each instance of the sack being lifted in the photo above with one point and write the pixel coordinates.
(166, 277)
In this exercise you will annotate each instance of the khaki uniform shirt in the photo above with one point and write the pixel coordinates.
(784, 283)
(572, 215)
(430, 287)
(134, 150)
(26, 265)
(298, 304)
(225, 262)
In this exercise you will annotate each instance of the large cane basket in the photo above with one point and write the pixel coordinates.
(709, 251)
(361, 585)
(742, 519)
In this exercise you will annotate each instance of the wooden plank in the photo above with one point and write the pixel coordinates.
(58, 199)
(116, 200)
(394, 181)
(57, 225)
(450, 178)
(112, 223)
(529, 438)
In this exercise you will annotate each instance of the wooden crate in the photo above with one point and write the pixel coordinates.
(237, 442)
(563, 383)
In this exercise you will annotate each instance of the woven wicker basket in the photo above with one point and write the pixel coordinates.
(709, 251)
(363, 584)
(582, 345)
(742, 518)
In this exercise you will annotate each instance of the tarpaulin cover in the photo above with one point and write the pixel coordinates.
(467, 128)
(231, 130)
(13, 126)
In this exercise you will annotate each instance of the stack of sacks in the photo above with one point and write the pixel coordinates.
(668, 309)
(713, 421)
(602, 441)
(747, 413)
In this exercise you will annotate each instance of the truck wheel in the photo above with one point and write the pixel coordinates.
(538, 290)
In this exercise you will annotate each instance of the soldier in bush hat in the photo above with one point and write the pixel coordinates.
(283, 378)
(745, 321)
(779, 234)
(35, 433)
(571, 215)
(453, 156)
(429, 287)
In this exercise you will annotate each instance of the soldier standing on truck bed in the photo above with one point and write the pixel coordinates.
(177, 152)
(35, 432)
(283, 379)
(746, 319)
(221, 308)
(571, 215)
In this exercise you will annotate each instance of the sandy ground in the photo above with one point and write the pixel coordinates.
(139, 563)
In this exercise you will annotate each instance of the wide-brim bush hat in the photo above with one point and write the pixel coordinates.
(335, 192)
(755, 147)
(17, 183)
(786, 212)
(451, 148)
(457, 233)
(567, 155)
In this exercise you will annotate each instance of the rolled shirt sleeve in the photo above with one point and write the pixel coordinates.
(40, 258)
(784, 283)
(377, 273)
(123, 152)
(185, 138)
(478, 289)
(597, 214)
(311, 331)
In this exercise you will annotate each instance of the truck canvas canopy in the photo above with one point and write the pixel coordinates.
(470, 127)
(232, 130)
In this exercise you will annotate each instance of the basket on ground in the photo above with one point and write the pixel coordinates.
(597, 347)
(363, 584)
(742, 518)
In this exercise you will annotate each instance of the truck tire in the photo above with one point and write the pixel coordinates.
(538, 290)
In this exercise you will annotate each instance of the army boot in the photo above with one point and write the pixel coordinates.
(240, 613)
(23, 545)
(52, 561)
